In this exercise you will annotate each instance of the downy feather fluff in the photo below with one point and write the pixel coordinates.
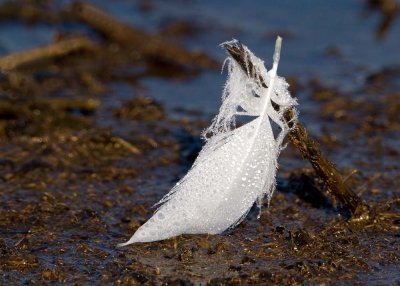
(236, 166)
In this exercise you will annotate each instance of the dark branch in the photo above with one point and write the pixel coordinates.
(300, 137)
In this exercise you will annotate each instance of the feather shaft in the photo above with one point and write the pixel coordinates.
(236, 166)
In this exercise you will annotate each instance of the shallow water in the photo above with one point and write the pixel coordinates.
(334, 42)
(310, 30)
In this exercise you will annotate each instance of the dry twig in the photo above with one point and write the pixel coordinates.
(300, 137)
(151, 46)
(60, 48)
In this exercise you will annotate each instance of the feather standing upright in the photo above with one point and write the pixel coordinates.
(236, 166)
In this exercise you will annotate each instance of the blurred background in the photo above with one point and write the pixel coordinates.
(340, 42)
(101, 108)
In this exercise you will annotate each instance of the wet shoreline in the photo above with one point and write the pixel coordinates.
(88, 144)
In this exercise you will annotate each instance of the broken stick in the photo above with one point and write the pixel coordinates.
(152, 47)
(60, 48)
(300, 137)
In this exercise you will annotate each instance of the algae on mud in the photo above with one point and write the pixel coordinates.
(81, 166)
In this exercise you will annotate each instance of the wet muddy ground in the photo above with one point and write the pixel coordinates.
(85, 152)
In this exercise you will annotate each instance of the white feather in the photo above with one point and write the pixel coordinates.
(236, 166)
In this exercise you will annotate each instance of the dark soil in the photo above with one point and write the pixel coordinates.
(80, 169)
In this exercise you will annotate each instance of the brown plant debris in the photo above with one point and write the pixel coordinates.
(150, 46)
(57, 49)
